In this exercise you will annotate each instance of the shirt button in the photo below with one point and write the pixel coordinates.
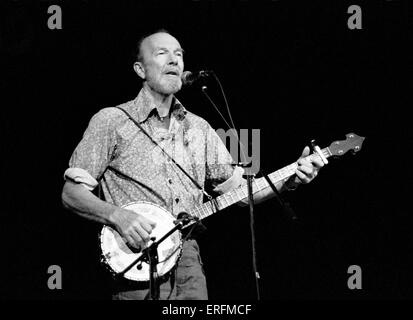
(177, 200)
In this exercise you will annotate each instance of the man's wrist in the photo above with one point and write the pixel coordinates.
(114, 216)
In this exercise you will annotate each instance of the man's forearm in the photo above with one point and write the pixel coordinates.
(78, 199)
(266, 193)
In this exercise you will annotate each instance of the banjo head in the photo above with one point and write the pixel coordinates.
(118, 256)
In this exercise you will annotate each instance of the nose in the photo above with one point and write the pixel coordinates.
(173, 60)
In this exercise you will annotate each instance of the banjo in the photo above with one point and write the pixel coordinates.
(117, 255)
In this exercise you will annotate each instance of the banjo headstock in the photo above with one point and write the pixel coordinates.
(352, 143)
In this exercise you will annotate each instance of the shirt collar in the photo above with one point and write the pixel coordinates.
(146, 107)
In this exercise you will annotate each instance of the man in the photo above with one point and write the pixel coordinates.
(115, 152)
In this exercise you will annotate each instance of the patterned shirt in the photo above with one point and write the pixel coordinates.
(131, 167)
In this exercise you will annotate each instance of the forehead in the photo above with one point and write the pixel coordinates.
(160, 40)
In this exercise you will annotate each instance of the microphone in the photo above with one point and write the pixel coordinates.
(188, 77)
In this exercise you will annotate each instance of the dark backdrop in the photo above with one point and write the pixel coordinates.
(292, 69)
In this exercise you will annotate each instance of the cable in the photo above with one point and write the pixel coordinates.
(228, 111)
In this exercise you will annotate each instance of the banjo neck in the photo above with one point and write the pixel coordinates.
(225, 200)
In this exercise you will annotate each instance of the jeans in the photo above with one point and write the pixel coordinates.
(185, 282)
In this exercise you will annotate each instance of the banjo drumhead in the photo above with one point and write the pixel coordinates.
(118, 256)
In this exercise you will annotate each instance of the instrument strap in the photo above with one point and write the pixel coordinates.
(164, 152)
(285, 205)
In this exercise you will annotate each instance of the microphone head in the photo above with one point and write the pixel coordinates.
(186, 77)
(186, 74)
(189, 77)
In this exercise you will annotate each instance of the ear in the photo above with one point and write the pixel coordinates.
(139, 69)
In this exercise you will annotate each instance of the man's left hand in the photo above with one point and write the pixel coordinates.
(307, 168)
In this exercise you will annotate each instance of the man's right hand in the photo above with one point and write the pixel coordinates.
(134, 228)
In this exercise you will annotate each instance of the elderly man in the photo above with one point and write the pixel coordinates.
(117, 154)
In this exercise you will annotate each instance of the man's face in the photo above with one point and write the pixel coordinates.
(162, 63)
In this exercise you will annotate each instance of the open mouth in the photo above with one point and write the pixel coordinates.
(172, 73)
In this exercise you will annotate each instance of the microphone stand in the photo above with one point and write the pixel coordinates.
(150, 256)
(250, 178)
(284, 205)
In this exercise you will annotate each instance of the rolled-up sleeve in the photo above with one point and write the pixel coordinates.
(82, 177)
(233, 182)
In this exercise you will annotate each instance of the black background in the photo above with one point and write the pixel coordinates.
(292, 69)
